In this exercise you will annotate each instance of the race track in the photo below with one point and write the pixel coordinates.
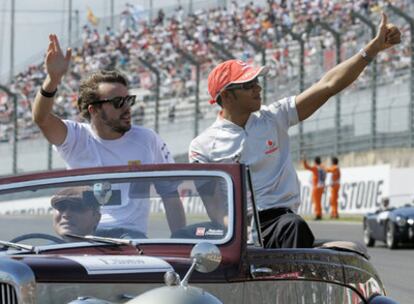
(395, 267)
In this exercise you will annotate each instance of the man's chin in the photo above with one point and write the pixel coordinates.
(256, 108)
(123, 128)
(67, 230)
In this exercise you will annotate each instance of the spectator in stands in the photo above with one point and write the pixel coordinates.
(73, 214)
(256, 135)
(136, 37)
(108, 139)
(334, 185)
(318, 185)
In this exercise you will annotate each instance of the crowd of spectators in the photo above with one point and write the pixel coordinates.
(172, 44)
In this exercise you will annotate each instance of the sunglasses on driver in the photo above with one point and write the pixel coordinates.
(119, 101)
(244, 86)
(72, 206)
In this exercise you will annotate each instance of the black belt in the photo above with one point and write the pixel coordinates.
(268, 214)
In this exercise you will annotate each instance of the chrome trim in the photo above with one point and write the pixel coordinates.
(260, 271)
(118, 175)
(20, 277)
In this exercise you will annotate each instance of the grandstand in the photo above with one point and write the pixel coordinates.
(167, 61)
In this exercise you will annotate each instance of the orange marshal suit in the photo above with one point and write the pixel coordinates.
(318, 186)
(335, 185)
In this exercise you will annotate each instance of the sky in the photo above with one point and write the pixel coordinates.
(35, 19)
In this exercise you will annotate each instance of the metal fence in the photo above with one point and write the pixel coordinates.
(376, 112)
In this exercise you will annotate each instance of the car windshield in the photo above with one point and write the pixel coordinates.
(152, 207)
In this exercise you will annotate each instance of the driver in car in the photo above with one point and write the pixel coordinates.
(73, 214)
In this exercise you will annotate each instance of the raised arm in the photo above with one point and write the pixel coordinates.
(345, 73)
(56, 65)
(306, 165)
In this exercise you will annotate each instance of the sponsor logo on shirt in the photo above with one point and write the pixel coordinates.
(270, 147)
(236, 157)
(164, 149)
(194, 154)
(134, 162)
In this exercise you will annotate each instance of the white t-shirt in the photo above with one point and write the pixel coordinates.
(83, 148)
(263, 144)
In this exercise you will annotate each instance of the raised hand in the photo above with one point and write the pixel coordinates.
(388, 34)
(56, 63)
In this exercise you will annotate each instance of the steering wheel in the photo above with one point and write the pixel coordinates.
(43, 236)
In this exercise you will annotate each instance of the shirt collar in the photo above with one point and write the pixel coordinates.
(224, 123)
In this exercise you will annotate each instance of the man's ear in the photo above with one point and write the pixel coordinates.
(91, 109)
(227, 96)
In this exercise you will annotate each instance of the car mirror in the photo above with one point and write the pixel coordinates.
(207, 256)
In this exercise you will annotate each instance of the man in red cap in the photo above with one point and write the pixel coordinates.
(257, 135)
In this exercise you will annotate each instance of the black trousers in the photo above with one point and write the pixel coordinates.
(282, 228)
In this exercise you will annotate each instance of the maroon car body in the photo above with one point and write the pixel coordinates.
(94, 271)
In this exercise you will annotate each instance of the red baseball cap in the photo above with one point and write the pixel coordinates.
(229, 72)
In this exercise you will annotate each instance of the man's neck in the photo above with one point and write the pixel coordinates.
(105, 133)
(238, 119)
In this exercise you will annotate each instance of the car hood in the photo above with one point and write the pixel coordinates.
(405, 211)
(80, 268)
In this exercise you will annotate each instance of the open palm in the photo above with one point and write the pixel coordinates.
(56, 63)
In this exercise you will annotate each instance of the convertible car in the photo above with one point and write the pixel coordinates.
(117, 235)
(394, 226)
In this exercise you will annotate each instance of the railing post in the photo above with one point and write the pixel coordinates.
(197, 64)
(157, 90)
(298, 37)
(410, 21)
(15, 126)
(259, 49)
(337, 37)
(374, 70)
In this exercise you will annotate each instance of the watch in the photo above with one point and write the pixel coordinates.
(365, 55)
(46, 93)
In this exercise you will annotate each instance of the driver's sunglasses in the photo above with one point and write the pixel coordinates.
(119, 101)
(244, 86)
(77, 207)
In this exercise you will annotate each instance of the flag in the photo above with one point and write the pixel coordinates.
(91, 17)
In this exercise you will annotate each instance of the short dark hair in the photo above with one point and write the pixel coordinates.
(317, 160)
(88, 90)
(218, 101)
(334, 160)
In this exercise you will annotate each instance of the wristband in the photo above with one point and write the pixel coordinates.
(47, 94)
(365, 55)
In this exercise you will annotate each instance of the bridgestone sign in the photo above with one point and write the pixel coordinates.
(362, 189)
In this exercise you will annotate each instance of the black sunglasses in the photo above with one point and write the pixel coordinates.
(119, 101)
(244, 86)
(78, 207)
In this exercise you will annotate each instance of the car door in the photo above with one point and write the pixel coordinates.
(296, 276)
(381, 220)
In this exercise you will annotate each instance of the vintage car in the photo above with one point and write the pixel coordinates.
(49, 256)
(394, 226)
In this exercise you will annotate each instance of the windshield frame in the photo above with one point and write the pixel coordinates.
(71, 180)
